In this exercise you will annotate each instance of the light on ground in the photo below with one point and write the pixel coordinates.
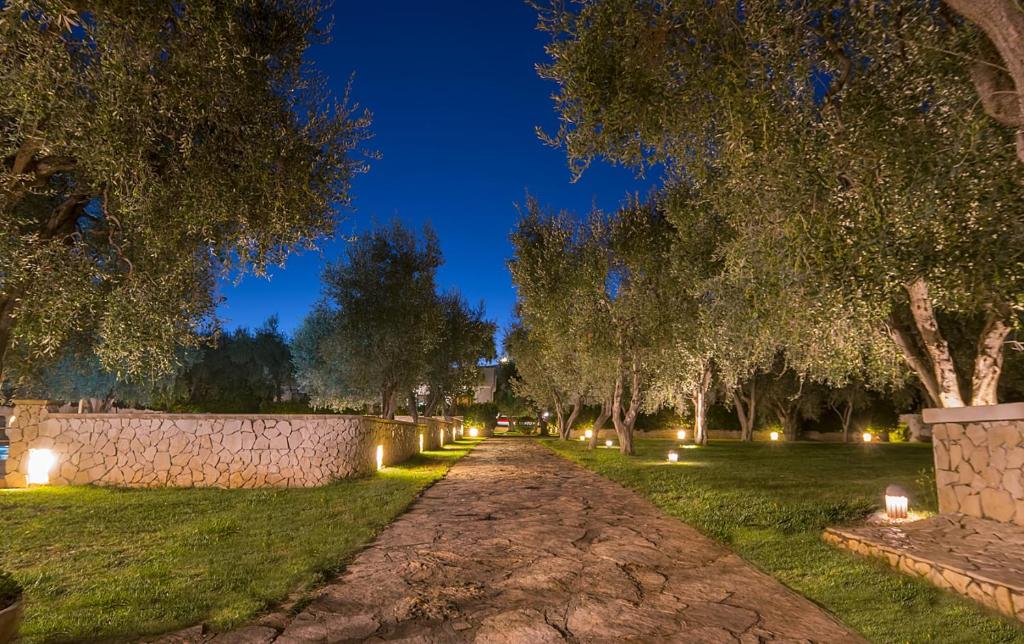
(473, 432)
(897, 503)
(608, 443)
(681, 434)
(774, 436)
(673, 457)
(867, 437)
(40, 462)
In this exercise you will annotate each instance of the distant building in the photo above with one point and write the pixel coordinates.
(487, 386)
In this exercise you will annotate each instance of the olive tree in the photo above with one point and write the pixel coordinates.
(464, 339)
(372, 337)
(865, 192)
(147, 150)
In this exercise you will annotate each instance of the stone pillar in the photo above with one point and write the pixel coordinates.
(979, 460)
(23, 431)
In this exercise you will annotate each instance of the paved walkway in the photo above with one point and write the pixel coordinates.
(519, 545)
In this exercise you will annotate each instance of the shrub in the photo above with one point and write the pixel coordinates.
(10, 591)
(899, 434)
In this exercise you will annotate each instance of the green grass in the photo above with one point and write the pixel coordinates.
(102, 563)
(770, 503)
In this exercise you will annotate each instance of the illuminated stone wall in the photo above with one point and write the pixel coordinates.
(211, 450)
(979, 460)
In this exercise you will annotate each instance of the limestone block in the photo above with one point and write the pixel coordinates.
(997, 504)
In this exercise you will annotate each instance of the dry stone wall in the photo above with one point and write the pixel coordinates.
(979, 461)
(211, 450)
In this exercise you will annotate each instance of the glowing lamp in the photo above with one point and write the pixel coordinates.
(673, 457)
(588, 434)
(473, 432)
(583, 438)
(774, 436)
(421, 442)
(681, 434)
(896, 502)
(867, 437)
(608, 443)
(40, 462)
(546, 415)
(380, 457)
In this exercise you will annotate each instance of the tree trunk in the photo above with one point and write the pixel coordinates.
(999, 85)
(389, 400)
(700, 432)
(599, 422)
(935, 345)
(623, 417)
(988, 362)
(573, 415)
(414, 410)
(789, 420)
(746, 410)
(918, 364)
(563, 430)
(845, 413)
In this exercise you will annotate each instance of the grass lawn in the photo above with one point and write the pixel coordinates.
(102, 563)
(770, 503)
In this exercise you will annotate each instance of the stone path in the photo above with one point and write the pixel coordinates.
(981, 559)
(519, 545)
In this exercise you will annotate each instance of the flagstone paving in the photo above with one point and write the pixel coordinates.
(519, 545)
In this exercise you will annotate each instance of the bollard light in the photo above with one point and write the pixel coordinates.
(681, 434)
(897, 503)
(867, 437)
(774, 436)
(380, 457)
(40, 462)
(588, 434)
(608, 443)
(673, 457)
(473, 432)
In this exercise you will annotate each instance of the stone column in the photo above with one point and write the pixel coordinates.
(979, 460)
(23, 431)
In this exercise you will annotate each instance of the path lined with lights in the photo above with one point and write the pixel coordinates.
(520, 545)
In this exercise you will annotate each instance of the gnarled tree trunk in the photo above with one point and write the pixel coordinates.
(746, 409)
(700, 407)
(1000, 79)
(599, 423)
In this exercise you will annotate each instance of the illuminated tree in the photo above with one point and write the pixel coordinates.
(147, 150)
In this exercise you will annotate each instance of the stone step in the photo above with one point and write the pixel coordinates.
(977, 558)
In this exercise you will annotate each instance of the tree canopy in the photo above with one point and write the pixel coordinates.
(148, 150)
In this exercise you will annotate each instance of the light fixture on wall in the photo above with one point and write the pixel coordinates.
(40, 462)
(473, 432)
(897, 503)
(673, 457)
(681, 434)
(441, 434)
(867, 437)
(380, 457)
(774, 436)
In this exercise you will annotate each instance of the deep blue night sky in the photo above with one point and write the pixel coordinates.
(455, 98)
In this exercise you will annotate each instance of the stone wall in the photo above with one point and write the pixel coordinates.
(211, 450)
(979, 460)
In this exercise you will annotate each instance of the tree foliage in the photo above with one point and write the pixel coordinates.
(147, 150)
(836, 155)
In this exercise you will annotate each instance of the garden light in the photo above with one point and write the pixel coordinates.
(608, 443)
(473, 432)
(673, 457)
(588, 434)
(583, 438)
(867, 437)
(774, 436)
(421, 442)
(681, 434)
(40, 462)
(380, 457)
(897, 503)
